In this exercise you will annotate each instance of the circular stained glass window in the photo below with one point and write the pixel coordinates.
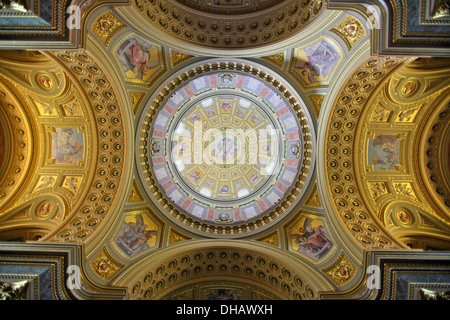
(224, 150)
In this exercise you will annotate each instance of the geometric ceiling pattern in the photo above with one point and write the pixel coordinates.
(214, 150)
(207, 150)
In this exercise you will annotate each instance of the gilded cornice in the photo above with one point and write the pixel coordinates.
(400, 27)
(348, 67)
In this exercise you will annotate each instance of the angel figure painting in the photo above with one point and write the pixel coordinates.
(137, 234)
(316, 62)
(67, 145)
(384, 152)
(140, 60)
(310, 238)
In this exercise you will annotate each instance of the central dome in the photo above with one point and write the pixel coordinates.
(225, 148)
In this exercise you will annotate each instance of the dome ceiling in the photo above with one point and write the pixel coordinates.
(230, 148)
(226, 148)
(188, 148)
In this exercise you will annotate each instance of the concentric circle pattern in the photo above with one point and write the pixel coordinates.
(225, 148)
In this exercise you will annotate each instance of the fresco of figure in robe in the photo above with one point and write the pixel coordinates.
(136, 235)
(384, 152)
(316, 62)
(138, 58)
(67, 145)
(310, 238)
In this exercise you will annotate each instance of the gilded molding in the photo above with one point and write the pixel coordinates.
(135, 195)
(314, 198)
(106, 26)
(104, 265)
(107, 114)
(351, 30)
(177, 57)
(317, 101)
(278, 59)
(342, 271)
(341, 162)
(273, 239)
(136, 99)
(17, 161)
(176, 236)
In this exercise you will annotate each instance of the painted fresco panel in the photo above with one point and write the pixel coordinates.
(384, 152)
(138, 233)
(315, 64)
(139, 60)
(67, 145)
(309, 237)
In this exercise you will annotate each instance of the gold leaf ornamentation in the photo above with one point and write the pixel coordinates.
(106, 26)
(272, 239)
(175, 237)
(342, 271)
(105, 266)
(350, 30)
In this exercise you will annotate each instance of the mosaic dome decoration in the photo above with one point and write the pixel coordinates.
(226, 148)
